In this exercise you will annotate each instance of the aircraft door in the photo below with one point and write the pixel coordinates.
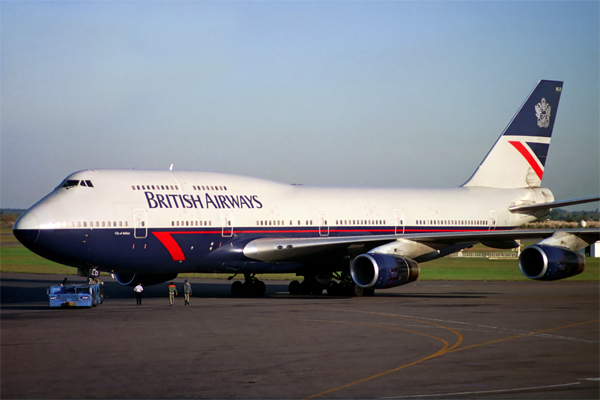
(227, 220)
(399, 221)
(140, 228)
(493, 220)
(323, 225)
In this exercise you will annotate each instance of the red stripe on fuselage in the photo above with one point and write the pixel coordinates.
(167, 240)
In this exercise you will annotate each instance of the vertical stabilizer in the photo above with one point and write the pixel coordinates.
(517, 159)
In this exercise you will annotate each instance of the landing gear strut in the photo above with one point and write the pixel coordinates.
(250, 287)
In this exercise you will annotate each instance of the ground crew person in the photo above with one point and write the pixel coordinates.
(172, 293)
(138, 293)
(187, 292)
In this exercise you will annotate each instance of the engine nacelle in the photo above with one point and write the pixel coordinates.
(129, 279)
(382, 271)
(549, 263)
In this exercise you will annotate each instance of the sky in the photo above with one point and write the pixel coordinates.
(383, 94)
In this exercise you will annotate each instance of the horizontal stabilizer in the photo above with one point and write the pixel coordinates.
(530, 208)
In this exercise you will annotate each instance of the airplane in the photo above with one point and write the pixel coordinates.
(148, 226)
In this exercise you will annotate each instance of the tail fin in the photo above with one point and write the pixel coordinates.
(517, 159)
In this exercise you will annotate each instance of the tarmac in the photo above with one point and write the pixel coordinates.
(425, 340)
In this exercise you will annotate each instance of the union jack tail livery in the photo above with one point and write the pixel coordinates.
(517, 159)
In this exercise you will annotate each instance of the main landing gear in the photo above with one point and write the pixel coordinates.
(335, 285)
(250, 287)
(315, 286)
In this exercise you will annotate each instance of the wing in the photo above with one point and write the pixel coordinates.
(296, 249)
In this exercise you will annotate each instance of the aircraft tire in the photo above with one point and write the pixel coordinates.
(357, 291)
(237, 288)
(305, 287)
(248, 288)
(294, 287)
(259, 288)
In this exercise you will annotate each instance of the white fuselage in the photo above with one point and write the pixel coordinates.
(104, 217)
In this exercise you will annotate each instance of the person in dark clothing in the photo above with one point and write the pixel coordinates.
(187, 292)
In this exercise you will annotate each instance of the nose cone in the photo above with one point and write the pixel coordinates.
(27, 229)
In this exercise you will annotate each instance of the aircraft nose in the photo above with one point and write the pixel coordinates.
(27, 229)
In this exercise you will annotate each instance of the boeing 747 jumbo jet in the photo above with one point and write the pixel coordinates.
(148, 226)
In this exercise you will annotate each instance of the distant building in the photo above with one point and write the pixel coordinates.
(593, 250)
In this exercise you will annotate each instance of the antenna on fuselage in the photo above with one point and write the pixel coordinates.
(171, 167)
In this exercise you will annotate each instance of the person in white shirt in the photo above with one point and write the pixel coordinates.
(138, 293)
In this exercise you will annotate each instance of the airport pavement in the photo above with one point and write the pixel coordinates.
(423, 340)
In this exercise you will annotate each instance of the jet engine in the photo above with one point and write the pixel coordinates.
(383, 271)
(129, 279)
(549, 263)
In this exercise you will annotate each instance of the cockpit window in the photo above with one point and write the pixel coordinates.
(69, 183)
